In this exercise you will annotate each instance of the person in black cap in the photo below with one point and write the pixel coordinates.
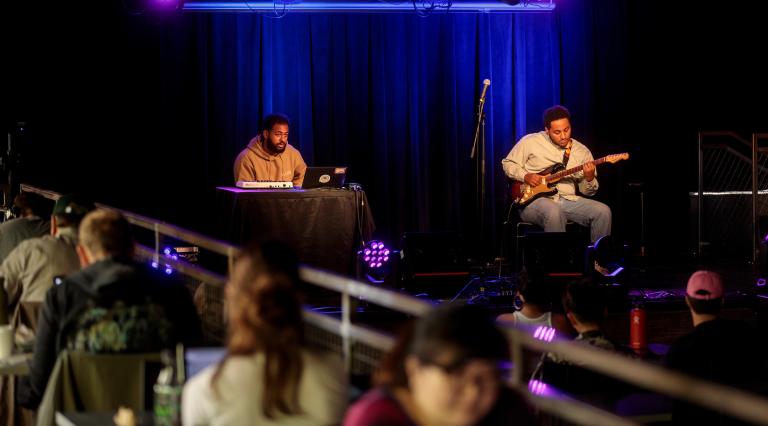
(29, 270)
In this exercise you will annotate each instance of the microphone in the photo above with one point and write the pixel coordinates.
(486, 83)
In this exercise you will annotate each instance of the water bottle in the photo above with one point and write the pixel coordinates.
(637, 331)
(168, 388)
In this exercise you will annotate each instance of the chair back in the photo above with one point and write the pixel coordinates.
(83, 381)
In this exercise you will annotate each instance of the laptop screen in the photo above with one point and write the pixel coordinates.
(198, 359)
(324, 177)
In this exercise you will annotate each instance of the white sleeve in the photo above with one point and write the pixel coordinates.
(587, 188)
(195, 399)
(514, 163)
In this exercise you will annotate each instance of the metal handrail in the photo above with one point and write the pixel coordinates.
(733, 402)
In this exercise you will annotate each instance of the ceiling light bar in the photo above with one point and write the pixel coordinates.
(362, 6)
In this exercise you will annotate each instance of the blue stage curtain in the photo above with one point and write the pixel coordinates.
(392, 96)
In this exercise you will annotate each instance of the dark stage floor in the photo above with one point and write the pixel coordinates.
(656, 283)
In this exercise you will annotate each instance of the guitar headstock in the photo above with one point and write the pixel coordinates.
(616, 157)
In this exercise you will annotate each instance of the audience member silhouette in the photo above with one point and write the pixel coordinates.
(269, 375)
(29, 270)
(585, 308)
(719, 350)
(534, 293)
(444, 371)
(112, 305)
(32, 211)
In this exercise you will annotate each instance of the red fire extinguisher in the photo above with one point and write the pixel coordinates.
(638, 339)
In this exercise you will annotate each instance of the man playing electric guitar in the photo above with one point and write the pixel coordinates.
(535, 153)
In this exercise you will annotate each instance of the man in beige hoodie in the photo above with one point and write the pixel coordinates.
(269, 157)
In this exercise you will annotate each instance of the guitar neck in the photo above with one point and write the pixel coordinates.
(572, 170)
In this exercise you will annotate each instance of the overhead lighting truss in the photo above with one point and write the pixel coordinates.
(422, 7)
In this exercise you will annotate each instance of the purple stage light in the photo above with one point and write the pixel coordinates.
(550, 335)
(168, 270)
(164, 4)
(375, 254)
(544, 333)
(537, 388)
(167, 251)
(761, 282)
(154, 265)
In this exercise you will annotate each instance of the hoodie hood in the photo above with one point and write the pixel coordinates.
(256, 146)
(100, 278)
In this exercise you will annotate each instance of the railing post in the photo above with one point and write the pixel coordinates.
(230, 261)
(157, 244)
(700, 198)
(346, 307)
(755, 228)
(517, 361)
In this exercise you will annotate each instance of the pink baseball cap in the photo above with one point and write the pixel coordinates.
(705, 285)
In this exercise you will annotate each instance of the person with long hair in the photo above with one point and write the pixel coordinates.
(446, 370)
(268, 376)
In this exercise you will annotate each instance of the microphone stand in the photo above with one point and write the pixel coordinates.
(480, 161)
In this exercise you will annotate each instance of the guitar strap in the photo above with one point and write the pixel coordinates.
(567, 153)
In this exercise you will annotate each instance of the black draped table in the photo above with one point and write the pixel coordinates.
(325, 226)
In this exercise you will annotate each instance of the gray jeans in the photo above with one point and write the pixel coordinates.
(552, 215)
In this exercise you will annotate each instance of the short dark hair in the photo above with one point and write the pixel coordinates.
(30, 203)
(534, 288)
(585, 301)
(463, 331)
(108, 233)
(275, 118)
(556, 112)
(705, 307)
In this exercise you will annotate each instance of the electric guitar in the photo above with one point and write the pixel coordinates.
(523, 194)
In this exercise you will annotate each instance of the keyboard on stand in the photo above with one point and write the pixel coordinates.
(260, 184)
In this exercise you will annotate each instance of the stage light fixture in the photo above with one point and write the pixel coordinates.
(280, 8)
(537, 387)
(375, 254)
(544, 333)
(608, 258)
(374, 260)
(169, 253)
(141, 7)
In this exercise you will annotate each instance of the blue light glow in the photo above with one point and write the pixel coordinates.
(362, 6)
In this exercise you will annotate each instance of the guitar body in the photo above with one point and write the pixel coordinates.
(524, 194)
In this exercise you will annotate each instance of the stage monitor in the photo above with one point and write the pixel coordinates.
(555, 254)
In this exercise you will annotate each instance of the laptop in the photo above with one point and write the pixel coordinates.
(197, 359)
(324, 177)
